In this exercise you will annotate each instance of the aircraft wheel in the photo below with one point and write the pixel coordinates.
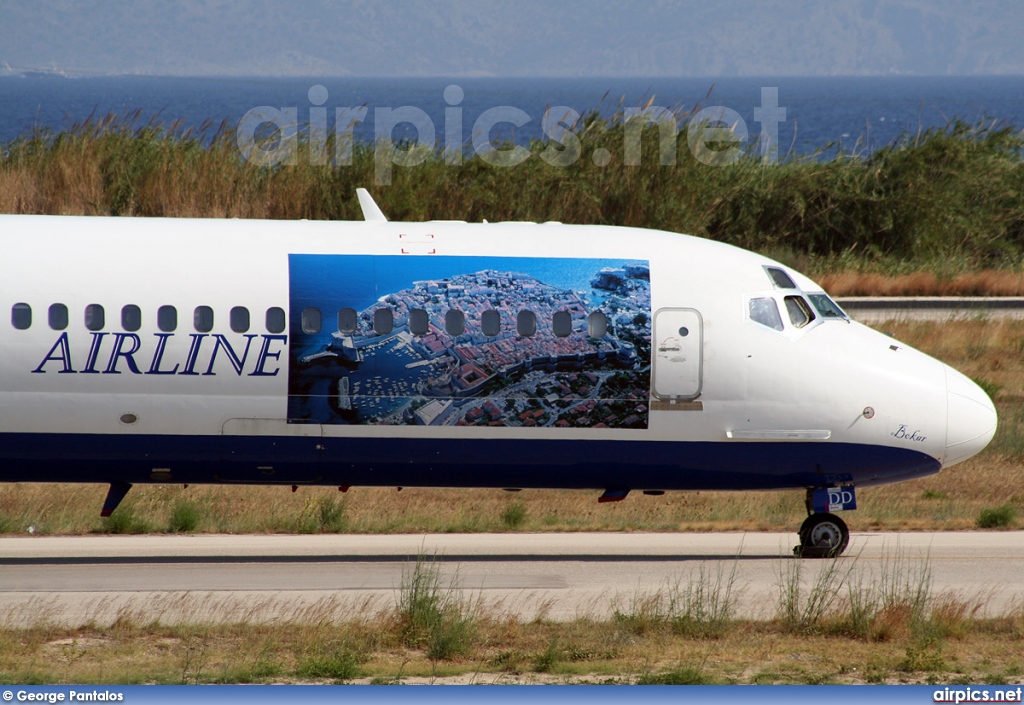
(822, 536)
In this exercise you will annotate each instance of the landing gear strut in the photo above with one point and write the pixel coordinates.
(823, 534)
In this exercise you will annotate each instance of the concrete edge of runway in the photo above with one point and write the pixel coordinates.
(721, 544)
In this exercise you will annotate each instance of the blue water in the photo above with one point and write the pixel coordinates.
(358, 281)
(861, 113)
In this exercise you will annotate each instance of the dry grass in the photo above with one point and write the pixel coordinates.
(983, 283)
(74, 509)
(948, 501)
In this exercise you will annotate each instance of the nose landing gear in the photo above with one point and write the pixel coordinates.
(823, 534)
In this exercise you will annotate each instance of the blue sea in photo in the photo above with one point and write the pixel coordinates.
(358, 281)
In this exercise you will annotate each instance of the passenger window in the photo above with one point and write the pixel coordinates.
(490, 323)
(311, 320)
(780, 278)
(58, 316)
(21, 316)
(202, 319)
(597, 325)
(131, 318)
(239, 319)
(455, 322)
(275, 320)
(383, 321)
(167, 319)
(526, 323)
(561, 324)
(419, 322)
(799, 312)
(95, 318)
(766, 312)
(348, 320)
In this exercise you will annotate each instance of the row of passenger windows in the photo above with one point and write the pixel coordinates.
(95, 318)
(454, 322)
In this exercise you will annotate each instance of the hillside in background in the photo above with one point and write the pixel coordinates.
(528, 38)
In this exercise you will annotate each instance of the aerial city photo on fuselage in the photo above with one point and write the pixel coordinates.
(429, 373)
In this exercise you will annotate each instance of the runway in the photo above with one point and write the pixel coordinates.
(73, 580)
(876, 309)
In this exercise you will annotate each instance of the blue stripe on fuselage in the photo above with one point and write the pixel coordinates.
(565, 464)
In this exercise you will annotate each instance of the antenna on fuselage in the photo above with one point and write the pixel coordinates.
(371, 211)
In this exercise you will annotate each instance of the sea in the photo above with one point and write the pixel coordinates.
(815, 115)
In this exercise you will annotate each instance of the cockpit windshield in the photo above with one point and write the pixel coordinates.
(827, 307)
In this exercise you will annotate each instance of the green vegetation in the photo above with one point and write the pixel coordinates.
(322, 515)
(432, 616)
(335, 662)
(124, 520)
(946, 200)
(514, 515)
(184, 517)
(999, 518)
(681, 675)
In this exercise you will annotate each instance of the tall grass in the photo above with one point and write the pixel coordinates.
(896, 601)
(434, 616)
(893, 604)
(947, 199)
(703, 606)
(125, 520)
(801, 608)
(322, 515)
(184, 518)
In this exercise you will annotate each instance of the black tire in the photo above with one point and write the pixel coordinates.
(823, 536)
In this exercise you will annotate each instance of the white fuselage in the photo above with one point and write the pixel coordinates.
(700, 390)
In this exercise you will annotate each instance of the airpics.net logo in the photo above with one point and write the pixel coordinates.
(269, 136)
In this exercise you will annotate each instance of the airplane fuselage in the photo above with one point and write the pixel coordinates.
(448, 354)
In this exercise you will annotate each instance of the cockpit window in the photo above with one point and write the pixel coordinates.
(827, 307)
(780, 278)
(799, 311)
(766, 312)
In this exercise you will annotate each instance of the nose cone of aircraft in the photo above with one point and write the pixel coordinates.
(970, 418)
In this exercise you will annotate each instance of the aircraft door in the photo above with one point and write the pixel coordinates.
(678, 353)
